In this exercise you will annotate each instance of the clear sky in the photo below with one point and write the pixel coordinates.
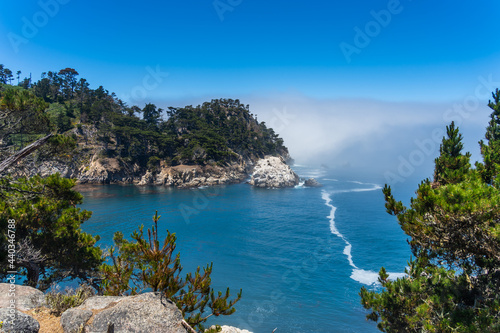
(407, 51)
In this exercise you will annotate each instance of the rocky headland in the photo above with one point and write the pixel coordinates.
(216, 143)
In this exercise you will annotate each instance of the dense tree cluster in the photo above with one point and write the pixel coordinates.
(453, 282)
(211, 133)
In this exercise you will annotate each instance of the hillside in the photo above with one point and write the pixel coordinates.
(213, 143)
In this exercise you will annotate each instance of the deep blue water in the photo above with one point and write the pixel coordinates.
(300, 255)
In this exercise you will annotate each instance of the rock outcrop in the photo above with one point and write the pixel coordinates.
(24, 298)
(311, 182)
(94, 162)
(273, 172)
(14, 321)
(231, 329)
(195, 175)
(148, 312)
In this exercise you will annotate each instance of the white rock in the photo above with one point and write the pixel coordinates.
(273, 172)
(231, 329)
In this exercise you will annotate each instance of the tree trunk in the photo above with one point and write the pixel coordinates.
(33, 275)
(23, 153)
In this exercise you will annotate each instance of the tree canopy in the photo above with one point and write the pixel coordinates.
(50, 243)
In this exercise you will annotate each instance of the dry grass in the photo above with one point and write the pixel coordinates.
(49, 323)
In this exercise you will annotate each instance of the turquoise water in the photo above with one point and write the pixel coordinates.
(300, 254)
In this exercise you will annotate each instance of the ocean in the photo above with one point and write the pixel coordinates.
(300, 254)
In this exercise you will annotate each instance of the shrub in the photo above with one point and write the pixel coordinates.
(59, 302)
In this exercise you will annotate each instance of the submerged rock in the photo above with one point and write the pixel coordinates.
(273, 172)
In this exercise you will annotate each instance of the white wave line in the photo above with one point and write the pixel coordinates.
(360, 275)
(335, 231)
(374, 187)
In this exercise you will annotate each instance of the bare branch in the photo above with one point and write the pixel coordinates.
(23, 153)
(28, 255)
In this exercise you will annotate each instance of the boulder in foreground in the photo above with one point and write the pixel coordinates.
(148, 312)
(14, 321)
(26, 298)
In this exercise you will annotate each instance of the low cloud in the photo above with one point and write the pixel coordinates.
(364, 132)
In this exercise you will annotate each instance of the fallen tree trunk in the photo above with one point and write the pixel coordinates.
(7, 163)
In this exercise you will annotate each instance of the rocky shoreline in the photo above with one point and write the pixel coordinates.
(268, 172)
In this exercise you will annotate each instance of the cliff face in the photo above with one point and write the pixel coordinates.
(194, 175)
(89, 165)
(103, 170)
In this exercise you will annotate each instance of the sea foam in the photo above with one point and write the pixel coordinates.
(359, 275)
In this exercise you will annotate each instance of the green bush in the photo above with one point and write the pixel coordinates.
(59, 302)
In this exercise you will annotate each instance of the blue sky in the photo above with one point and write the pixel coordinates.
(417, 52)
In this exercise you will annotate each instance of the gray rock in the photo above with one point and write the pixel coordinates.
(25, 298)
(311, 182)
(100, 302)
(143, 313)
(72, 320)
(273, 172)
(148, 312)
(15, 321)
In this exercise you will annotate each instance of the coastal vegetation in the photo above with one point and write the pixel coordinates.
(452, 283)
(42, 120)
(215, 132)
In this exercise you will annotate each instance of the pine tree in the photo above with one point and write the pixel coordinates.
(491, 151)
(451, 165)
(144, 264)
(48, 226)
